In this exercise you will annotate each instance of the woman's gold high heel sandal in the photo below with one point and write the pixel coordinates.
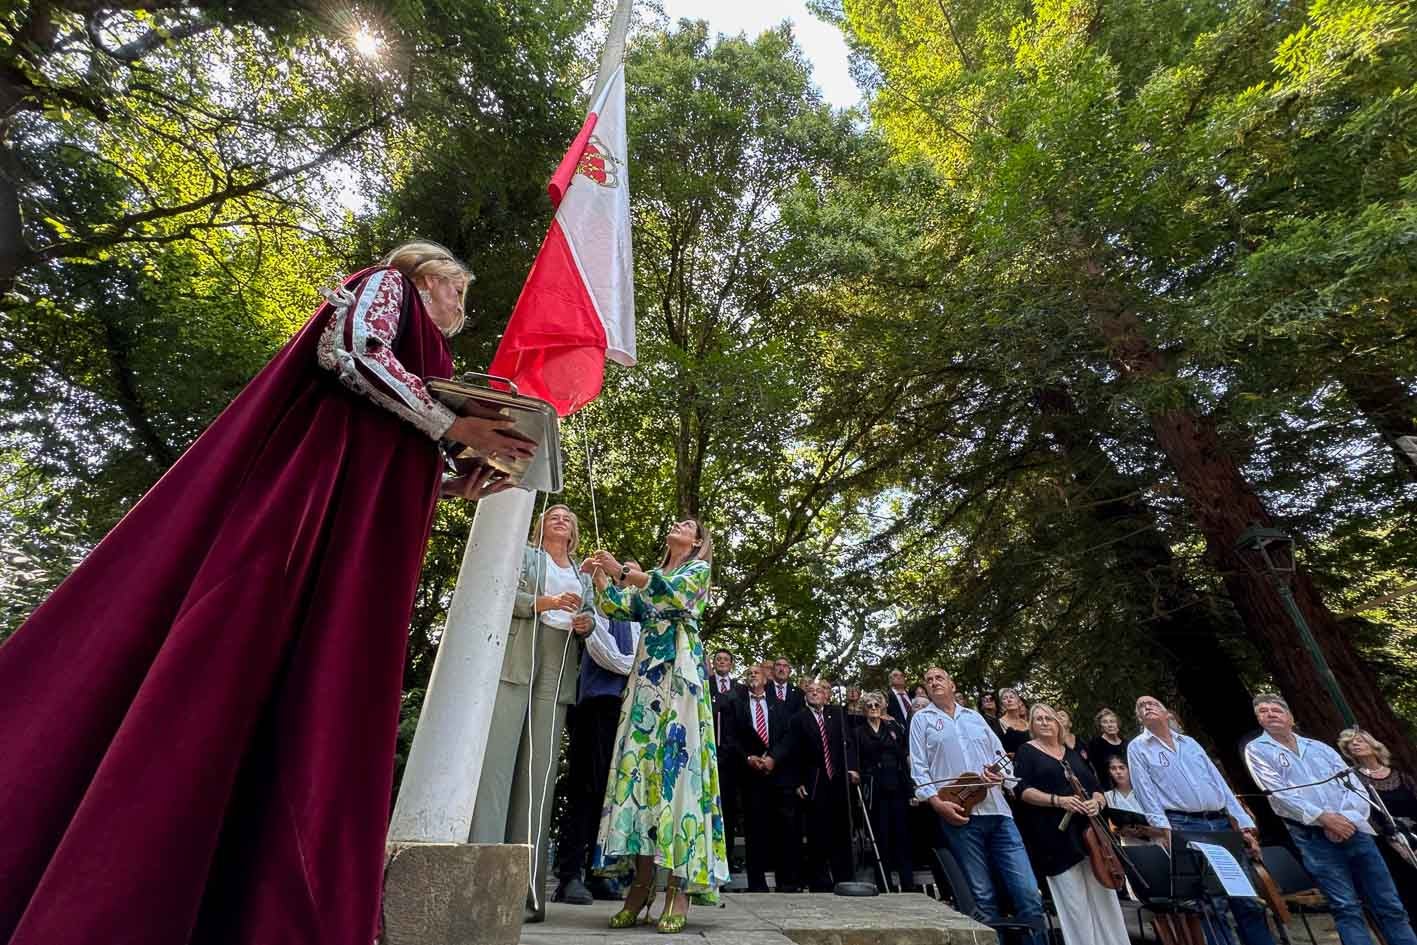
(627, 917)
(671, 923)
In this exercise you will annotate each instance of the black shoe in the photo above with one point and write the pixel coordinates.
(605, 889)
(789, 889)
(572, 892)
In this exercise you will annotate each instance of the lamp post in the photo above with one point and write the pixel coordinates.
(1270, 551)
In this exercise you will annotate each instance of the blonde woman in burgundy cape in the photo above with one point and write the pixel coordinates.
(199, 723)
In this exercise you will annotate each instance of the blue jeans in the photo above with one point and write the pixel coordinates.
(1249, 914)
(1352, 874)
(992, 841)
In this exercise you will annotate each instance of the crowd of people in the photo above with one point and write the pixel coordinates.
(805, 780)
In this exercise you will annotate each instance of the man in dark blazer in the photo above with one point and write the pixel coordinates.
(781, 690)
(771, 809)
(726, 692)
(898, 700)
(825, 767)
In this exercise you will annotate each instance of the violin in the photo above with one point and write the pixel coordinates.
(1102, 853)
(969, 789)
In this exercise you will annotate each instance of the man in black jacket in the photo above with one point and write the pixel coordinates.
(726, 692)
(824, 764)
(780, 688)
(771, 811)
(898, 700)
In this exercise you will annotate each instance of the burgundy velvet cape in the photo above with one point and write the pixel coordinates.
(197, 728)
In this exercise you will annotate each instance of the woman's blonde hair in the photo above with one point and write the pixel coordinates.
(537, 529)
(1345, 738)
(703, 545)
(426, 258)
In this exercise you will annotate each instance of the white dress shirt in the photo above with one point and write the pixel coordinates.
(944, 746)
(606, 653)
(1183, 780)
(1274, 766)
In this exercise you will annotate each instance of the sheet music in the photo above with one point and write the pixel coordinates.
(1233, 878)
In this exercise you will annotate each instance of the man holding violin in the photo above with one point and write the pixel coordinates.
(1178, 787)
(947, 741)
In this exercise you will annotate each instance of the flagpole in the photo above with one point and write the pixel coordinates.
(614, 52)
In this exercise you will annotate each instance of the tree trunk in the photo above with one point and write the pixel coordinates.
(1187, 637)
(1387, 403)
(1223, 505)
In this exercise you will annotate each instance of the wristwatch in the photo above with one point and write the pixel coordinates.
(624, 573)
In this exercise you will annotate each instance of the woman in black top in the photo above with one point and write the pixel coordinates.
(1013, 724)
(1088, 911)
(1398, 791)
(1108, 744)
(884, 753)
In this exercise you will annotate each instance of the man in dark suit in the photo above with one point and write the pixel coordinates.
(825, 767)
(726, 692)
(781, 690)
(771, 810)
(898, 700)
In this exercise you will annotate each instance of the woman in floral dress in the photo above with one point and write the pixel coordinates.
(662, 804)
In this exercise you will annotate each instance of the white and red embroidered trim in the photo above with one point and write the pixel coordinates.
(357, 345)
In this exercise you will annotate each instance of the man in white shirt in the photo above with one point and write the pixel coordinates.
(946, 741)
(1178, 787)
(1329, 824)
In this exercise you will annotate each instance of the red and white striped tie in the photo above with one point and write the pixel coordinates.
(826, 746)
(760, 720)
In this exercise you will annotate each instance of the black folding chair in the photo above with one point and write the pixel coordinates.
(957, 888)
(1301, 894)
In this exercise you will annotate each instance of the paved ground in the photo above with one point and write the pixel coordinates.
(772, 919)
(814, 919)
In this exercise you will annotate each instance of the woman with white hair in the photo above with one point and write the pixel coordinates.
(883, 750)
(200, 721)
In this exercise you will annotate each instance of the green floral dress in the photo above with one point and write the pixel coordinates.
(662, 798)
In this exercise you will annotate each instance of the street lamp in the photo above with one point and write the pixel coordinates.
(1270, 552)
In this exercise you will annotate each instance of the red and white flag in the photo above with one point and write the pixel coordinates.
(577, 307)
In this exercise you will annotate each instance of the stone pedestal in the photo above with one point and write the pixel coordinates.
(454, 893)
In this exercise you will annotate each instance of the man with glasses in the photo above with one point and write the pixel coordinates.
(1178, 787)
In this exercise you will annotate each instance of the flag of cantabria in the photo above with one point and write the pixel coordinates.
(577, 307)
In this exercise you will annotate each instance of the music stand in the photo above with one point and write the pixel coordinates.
(1192, 878)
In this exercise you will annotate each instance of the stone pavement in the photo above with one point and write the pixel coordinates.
(773, 919)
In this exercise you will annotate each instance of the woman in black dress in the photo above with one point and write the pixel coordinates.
(1013, 723)
(884, 753)
(1108, 744)
(1088, 911)
(1398, 791)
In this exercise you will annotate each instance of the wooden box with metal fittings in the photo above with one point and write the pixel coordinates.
(533, 420)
